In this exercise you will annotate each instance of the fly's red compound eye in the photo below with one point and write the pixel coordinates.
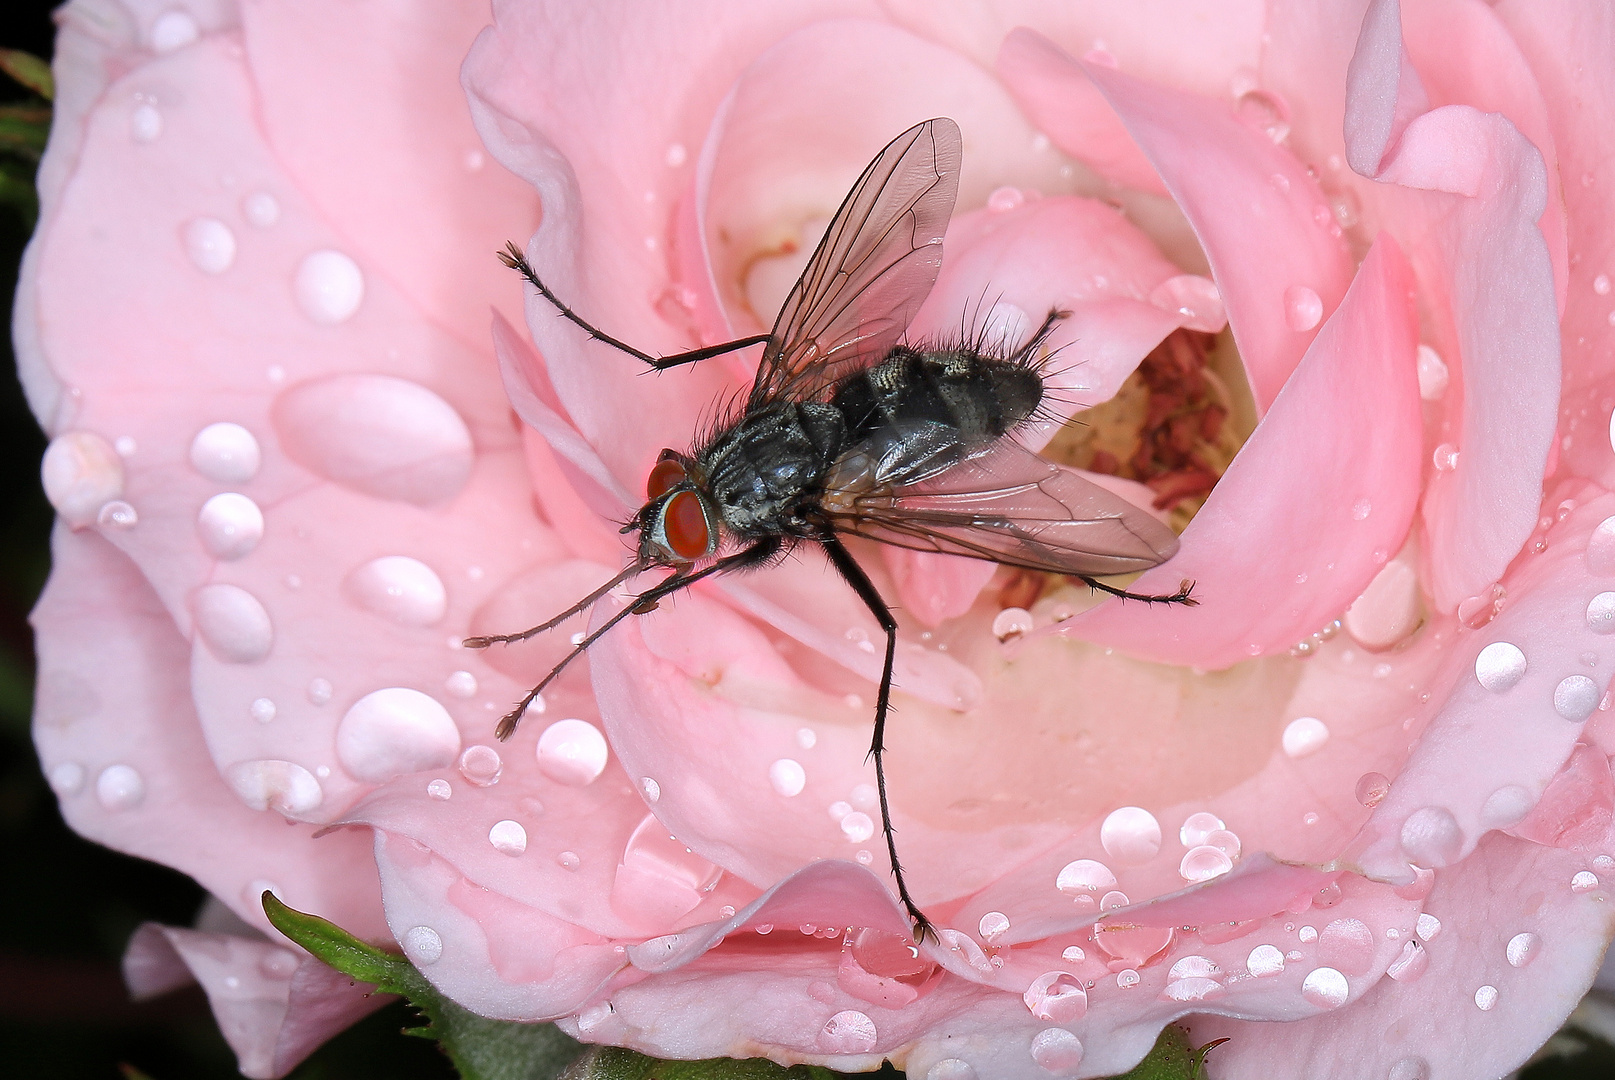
(667, 474)
(684, 524)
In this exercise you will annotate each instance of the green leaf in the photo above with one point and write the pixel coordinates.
(481, 1049)
(615, 1063)
(29, 70)
(17, 190)
(24, 129)
(1172, 1058)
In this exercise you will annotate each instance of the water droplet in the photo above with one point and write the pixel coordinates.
(1307, 934)
(951, 1069)
(1303, 309)
(1204, 863)
(1004, 199)
(1601, 284)
(1193, 298)
(890, 956)
(210, 244)
(117, 514)
(1113, 900)
(422, 945)
(1486, 998)
(320, 691)
(440, 789)
(1431, 836)
(1361, 509)
(262, 710)
(399, 588)
(1584, 881)
(481, 765)
(1603, 863)
(1073, 953)
(226, 453)
(1056, 996)
(145, 123)
(658, 877)
(1409, 1068)
(1576, 698)
(1601, 613)
(864, 796)
(1601, 548)
(1126, 979)
(1265, 960)
(1499, 666)
(125, 445)
(848, 1032)
(508, 836)
(1266, 112)
(1433, 374)
(394, 731)
(806, 739)
(1522, 949)
(271, 784)
(1410, 963)
(329, 287)
(1476, 611)
(572, 752)
(1372, 788)
(1304, 735)
(1195, 829)
(676, 155)
(1011, 623)
(568, 860)
(67, 778)
(1195, 967)
(261, 209)
(857, 827)
(230, 525)
(1084, 877)
(1224, 841)
(233, 623)
(1445, 457)
(1325, 987)
(1130, 835)
(993, 925)
(378, 435)
(173, 29)
(1057, 1050)
(591, 1018)
(460, 684)
(1347, 945)
(119, 787)
(787, 776)
(81, 472)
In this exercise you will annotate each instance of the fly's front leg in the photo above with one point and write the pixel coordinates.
(512, 257)
(1180, 597)
(854, 575)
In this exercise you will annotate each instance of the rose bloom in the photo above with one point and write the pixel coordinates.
(1363, 787)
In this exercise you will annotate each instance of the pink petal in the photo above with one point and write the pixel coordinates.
(1329, 480)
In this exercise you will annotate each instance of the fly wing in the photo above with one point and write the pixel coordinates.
(1012, 507)
(871, 271)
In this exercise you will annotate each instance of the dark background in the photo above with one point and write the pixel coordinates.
(68, 906)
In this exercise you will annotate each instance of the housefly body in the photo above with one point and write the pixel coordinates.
(847, 431)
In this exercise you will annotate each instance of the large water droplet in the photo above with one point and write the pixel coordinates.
(1193, 298)
(233, 623)
(440, 789)
(1583, 881)
(1522, 949)
(993, 925)
(787, 776)
(1325, 987)
(1057, 1050)
(1304, 735)
(382, 436)
(275, 785)
(857, 827)
(1486, 998)
(481, 765)
(1372, 788)
(1265, 111)
(1204, 863)
(81, 473)
(1506, 806)
(1348, 945)
(329, 287)
(422, 945)
(210, 244)
(1431, 836)
(1085, 878)
(1265, 960)
(1576, 698)
(119, 787)
(399, 588)
(659, 879)
(1196, 827)
(394, 731)
(173, 29)
(226, 453)
(1499, 666)
(1303, 309)
(1601, 613)
(67, 778)
(889, 955)
(1131, 835)
(1410, 963)
(230, 526)
(572, 752)
(848, 1032)
(508, 837)
(1056, 996)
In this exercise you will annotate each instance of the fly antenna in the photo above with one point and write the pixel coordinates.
(482, 642)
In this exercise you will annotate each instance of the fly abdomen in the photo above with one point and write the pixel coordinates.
(979, 397)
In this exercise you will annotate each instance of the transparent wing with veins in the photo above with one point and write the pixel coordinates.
(875, 265)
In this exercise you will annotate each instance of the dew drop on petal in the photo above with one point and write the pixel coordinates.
(1506, 806)
(857, 827)
(864, 857)
(1057, 997)
(1196, 827)
(1303, 309)
(1011, 623)
(320, 691)
(261, 209)
(1410, 963)
(233, 623)
(1584, 881)
(117, 514)
(993, 925)
(1427, 926)
(262, 710)
(440, 789)
(173, 29)
(1113, 900)
(1499, 666)
(271, 784)
(787, 776)
(1073, 953)
(568, 860)
(951, 1069)
(1522, 949)
(1601, 613)
(399, 588)
(225, 452)
(848, 1032)
(1431, 836)
(210, 244)
(572, 752)
(481, 765)
(422, 945)
(508, 836)
(806, 738)
(1085, 877)
(1433, 374)
(1003, 199)
(81, 472)
(1325, 987)
(394, 731)
(145, 123)
(119, 787)
(1304, 735)
(1057, 1050)
(1409, 1068)
(1307, 934)
(1131, 835)
(460, 684)
(1600, 554)
(1347, 945)
(1264, 960)
(67, 778)
(1444, 457)
(1601, 284)
(230, 525)
(1195, 299)
(1486, 998)
(329, 287)
(1372, 788)
(1204, 863)
(1576, 698)
(1224, 841)
(1195, 967)
(1126, 979)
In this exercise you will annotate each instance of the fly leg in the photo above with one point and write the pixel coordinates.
(512, 257)
(854, 575)
(1180, 597)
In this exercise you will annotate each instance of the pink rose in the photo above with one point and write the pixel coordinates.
(1364, 787)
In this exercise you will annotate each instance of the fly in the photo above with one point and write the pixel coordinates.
(847, 431)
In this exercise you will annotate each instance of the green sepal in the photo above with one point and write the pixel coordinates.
(615, 1063)
(29, 70)
(1172, 1058)
(480, 1048)
(24, 129)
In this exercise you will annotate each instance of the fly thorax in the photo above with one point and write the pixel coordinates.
(761, 470)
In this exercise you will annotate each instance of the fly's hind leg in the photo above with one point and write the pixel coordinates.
(1180, 597)
(512, 257)
(854, 575)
